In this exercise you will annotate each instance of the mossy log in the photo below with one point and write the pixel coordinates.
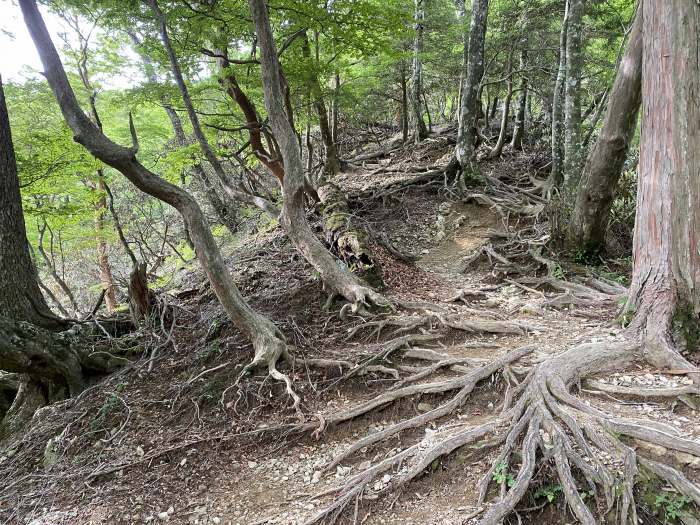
(348, 242)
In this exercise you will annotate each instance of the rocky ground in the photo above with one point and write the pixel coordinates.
(169, 439)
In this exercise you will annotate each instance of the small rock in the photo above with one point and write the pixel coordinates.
(164, 516)
(386, 479)
(425, 407)
(316, 477)
(139, 451)
(216, 520)
(252, 464)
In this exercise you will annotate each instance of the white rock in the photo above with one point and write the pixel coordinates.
(216, 520)
(252, 464)
(386, 478)
(163, 516)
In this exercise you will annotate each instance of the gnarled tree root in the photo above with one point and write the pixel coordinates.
(540, 421)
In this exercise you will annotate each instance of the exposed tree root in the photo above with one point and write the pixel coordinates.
(432, 319)
(540, 421)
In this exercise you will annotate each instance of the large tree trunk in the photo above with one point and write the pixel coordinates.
(573, 150)
(466, 132)
(664, 291)
(556, 174)
(267, 340)
(598, 184)
(27, 342)
(419, 129)
(20, 295)
(293, 219)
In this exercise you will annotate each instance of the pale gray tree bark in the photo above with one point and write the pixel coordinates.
(335, 276)
(419, 129)
(267, 340)
(516, 142)
(556, 174)
(573, 148)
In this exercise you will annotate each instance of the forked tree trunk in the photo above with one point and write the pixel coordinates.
(573, 149)
(266, 339)
(466, 132)
(596, 190)
(664, 293)
(293, 218)
(556, 174)
(419, 129)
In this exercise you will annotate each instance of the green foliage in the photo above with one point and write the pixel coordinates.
(548, 491)
(501, 475)
(671, 506)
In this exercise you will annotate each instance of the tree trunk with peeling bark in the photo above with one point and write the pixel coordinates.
(664, 294)
(337, 277)
(466, 132)
(598, 185)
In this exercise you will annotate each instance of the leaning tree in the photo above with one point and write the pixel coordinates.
(596, 191)
(268, 342)
(542, 428)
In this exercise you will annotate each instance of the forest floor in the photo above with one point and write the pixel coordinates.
(170, 438)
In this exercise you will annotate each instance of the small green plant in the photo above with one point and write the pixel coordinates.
(549, 491)
(672, 506)
(110, 404)
(501, 475)
(558, 272)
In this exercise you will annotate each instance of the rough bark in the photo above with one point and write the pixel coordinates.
(293, 219)
(664, 292)
(20, 295)
(466, 132)
(516, 142)
(556, 175)
(266, 339)
(419, 129)
(598, 184)
(573, 149)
